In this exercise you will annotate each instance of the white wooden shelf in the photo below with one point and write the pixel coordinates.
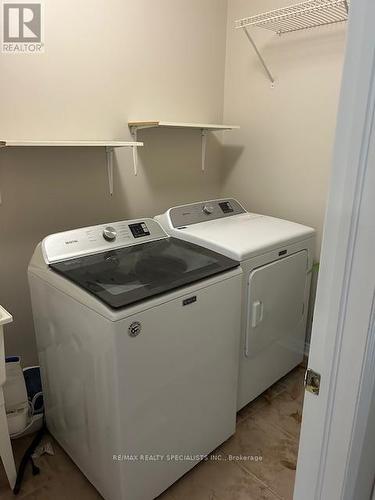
(111, 144)
(108, 145)
(5, 317)
(204, 128)
(301, 16)
(201, 126)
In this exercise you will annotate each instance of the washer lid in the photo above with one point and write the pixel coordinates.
(123, 276)
(243, 236)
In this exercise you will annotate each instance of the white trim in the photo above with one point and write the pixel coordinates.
(341, 338)
(359, 474)
(358, 187)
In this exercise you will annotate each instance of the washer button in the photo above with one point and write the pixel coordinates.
(208, 209)
(109, 233)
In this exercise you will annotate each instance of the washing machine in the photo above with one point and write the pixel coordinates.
(276, 258)
(138, 336)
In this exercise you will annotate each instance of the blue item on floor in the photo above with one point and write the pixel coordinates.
(34, 388)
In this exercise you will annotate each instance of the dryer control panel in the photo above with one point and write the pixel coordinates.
(95, 239)
(194, 213)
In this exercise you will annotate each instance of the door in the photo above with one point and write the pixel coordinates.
(336, 422)
(276, 305)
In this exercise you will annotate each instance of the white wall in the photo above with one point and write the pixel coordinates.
(104, 63)
(107, 63)
(279, 162)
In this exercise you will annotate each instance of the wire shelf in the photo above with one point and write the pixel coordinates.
(300, 16)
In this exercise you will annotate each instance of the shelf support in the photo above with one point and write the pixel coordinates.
(204, 147)
(133, 132)
(109, 147)
(265, 67)
(109, 161)
(110, 152)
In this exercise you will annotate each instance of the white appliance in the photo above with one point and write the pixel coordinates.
(276, 257)
(138, 338)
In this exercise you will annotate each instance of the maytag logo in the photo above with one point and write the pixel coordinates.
(22, 31)
(70, 242)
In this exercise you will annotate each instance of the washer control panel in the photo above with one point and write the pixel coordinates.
(101, 238)
(185, 215)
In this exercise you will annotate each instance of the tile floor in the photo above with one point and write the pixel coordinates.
(268, 428)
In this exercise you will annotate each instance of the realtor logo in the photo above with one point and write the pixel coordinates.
(22, 28)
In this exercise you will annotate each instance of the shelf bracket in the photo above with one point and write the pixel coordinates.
(109, 161)
(204, 147)
(133, 132)
(262, 61)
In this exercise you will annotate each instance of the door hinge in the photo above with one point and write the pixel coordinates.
(312, 382)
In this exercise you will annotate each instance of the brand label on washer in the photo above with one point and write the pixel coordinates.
(190, 300)
(135, 329)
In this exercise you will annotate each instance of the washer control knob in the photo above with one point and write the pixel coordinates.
(109, 233)
(208, 209)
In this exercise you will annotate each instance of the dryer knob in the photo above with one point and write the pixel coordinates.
(109, 233)
(208, 209)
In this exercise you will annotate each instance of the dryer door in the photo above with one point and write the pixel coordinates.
(276, 296)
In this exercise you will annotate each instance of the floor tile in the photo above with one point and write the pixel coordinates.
(285, 413)
(288, 393)
(285, 409)
(30, 482)
(218, 480)
(295, 384)
(59, 477)
(263, 400)
(267, 452)
(51, 490)
(254, 406)
(267, 427)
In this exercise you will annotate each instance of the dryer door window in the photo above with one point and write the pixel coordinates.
(276, 298)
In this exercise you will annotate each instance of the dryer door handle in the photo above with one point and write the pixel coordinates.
(255, 316)
(256, 313)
